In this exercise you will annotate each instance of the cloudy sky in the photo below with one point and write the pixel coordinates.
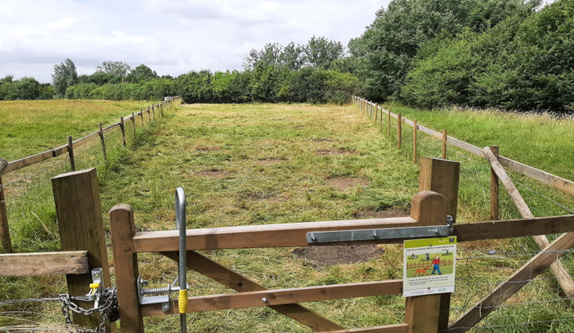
(170, 36)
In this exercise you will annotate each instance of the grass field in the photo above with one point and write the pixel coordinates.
(265, 164)
(31, 127)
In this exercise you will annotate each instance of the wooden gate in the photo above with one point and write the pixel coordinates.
(424, 314)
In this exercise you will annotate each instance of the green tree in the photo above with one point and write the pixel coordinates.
(320, 52)
(64, 76)
(114, 68)
(141, 73)
(385, 52)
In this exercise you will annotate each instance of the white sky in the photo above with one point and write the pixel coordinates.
(170, 36)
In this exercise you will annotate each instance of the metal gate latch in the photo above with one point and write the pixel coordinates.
(383, 233)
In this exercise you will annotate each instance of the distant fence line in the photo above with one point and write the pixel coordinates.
(69, 148)
(544, 177)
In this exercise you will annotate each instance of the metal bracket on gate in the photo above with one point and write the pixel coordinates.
(375, 234)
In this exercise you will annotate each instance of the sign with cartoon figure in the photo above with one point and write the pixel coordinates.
(429, 266)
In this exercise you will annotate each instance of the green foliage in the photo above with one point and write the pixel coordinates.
(25, 88)
(384, 53)
(524, 63)
(319, 52)
(64, 76)
(262, 84)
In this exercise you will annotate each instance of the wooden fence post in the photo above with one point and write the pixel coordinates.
(4, 228)
(494, 190)
(79, 212)
(444, 139)
(141, 115)
(149, 113)
(441, 176)
(134, 122)
(122, 229)
(389, 122)
(399, 130)
(376, 111)
(103, 142)
(381, 119)
(415, 127)
(422, 312)
(123, 128)
(71, 153)
(153, 110)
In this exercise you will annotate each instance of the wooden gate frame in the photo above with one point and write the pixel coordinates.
(422, 313)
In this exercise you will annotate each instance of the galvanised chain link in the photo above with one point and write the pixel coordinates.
(108, 309)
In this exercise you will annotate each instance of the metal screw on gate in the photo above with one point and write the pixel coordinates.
(375, 236)
(264, 299)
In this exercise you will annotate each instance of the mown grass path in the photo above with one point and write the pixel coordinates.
(264, 164)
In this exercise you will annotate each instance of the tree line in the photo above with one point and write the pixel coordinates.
(508, 54)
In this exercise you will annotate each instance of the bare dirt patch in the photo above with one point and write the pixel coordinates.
(320, 256)
(324, 152)
(270, 161)
(323, 140)
(344, 184)
(213, 173)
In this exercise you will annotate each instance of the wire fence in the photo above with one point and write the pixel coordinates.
(33, 224)
(540, 306)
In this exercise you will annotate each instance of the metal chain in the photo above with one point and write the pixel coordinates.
(108, 309)
(108, 305)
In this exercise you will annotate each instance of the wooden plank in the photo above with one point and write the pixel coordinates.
(470, 232)
(520, 278)
(71, 154)
(494, 190)
(442, 176)
(422, 312)
(4, 227)
(280, 296)
(27, 161)
(272, 235)
(544, 177)
(398, 328)
(239, 283)
(558, 269)
(79, 212)
(88, 138)
(111, 127)
(122, 229)
(46, 263)
(507, 183)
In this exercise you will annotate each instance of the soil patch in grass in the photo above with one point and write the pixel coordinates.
(320, 256)
(344, 184)
(324, 152)
(214, 173)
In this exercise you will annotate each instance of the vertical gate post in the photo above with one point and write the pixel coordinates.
(494, 190)
(77, 199)
(415, 128)
(134, 122)
(422, 312)
(441, 176)
(444, 140)
(122, 229)
(4, 228)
